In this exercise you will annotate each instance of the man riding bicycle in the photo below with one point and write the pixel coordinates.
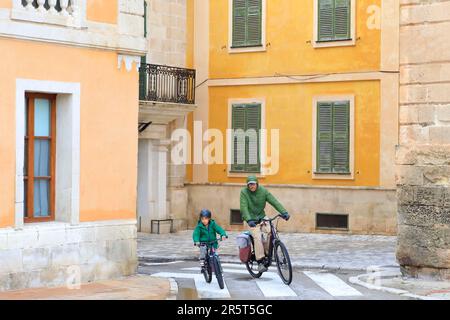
(253, 202)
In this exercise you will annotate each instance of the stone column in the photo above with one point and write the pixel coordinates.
(177, 192)
(423, 157)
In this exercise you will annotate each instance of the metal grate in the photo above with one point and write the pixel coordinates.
(236, 217)
(334, 221)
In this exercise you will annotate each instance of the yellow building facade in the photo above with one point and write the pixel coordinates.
(324, 75)
(69, 88)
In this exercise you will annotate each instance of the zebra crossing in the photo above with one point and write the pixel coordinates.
(239, 284)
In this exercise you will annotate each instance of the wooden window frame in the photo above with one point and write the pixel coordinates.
(29, 177)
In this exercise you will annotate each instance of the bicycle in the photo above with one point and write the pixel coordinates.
(277, 249)
(212, 264)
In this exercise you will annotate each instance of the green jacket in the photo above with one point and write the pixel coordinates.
(208, 233)
(254, 203)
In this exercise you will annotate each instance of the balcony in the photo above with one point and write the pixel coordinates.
(59, 12)
(167, 84)
(165, 93)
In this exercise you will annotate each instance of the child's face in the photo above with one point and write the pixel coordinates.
(205, 221)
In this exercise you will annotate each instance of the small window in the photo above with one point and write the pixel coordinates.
(247, 23)
(330, 221)
(334, 20)
(236, 217)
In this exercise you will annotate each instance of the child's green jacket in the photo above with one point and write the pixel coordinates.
(208, 233)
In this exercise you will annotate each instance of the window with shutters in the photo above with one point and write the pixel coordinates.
(333, 137)
(334, 22)
(247, 23)
(246, 125)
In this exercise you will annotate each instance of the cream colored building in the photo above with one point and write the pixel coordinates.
(423, 171)
(69, 86)
(167, 97)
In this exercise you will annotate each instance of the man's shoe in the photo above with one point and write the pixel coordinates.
(262, 268)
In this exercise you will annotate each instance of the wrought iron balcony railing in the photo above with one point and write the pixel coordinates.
(166, 84)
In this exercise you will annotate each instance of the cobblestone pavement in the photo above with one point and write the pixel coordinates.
(349, 252)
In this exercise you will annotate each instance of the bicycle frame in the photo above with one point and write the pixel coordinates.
(273, 237)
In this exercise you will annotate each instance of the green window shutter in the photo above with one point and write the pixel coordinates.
(238, 147)
(252, 148)
(142, 73)
(143, 79)
(145, 19)
(239, 23)
(342, 19)
(334, 20)
(341, 137)
(254, 22)
(324, 137)
(325, 20)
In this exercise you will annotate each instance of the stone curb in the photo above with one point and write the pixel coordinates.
(173, 289)
(403, 293)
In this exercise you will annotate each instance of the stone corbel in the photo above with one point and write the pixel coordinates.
(121, 58)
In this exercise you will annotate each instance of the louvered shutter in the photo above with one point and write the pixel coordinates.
(342, 20)
(324, 137)
(341, 137)
(252, 150)
(238, 148)
(239, 23)
(325, 18)
(254, 22)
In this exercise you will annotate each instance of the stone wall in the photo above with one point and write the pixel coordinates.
(423, 157)
(371, 211)
(51, 254)
(166, 25)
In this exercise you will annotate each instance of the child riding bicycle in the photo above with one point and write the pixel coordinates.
(206, 233)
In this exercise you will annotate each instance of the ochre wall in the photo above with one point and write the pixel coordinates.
(289, 32)
(289, 108)
(5, 4)
(97, 10)
(109, 116)
(102, 11)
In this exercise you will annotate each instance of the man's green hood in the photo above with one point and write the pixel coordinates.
(252, 179)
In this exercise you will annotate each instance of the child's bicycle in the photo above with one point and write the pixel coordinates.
(212, 264)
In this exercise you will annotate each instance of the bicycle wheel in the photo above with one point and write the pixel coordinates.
(284, 265)
(207, 273)
(218, 272)
(252, 268)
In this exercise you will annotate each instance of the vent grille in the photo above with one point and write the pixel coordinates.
(332, 221)
(236, 217)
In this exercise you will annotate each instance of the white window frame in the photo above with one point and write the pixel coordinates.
(67, 206)
(263, 140)
(327, 44)
(263, 30)
(333, 176)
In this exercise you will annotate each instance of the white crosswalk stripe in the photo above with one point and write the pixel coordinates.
(269, 284)
(332, 284)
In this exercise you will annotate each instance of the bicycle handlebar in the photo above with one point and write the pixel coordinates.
(211, 242)
(272, 219)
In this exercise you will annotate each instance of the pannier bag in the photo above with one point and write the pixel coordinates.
(245, 247)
